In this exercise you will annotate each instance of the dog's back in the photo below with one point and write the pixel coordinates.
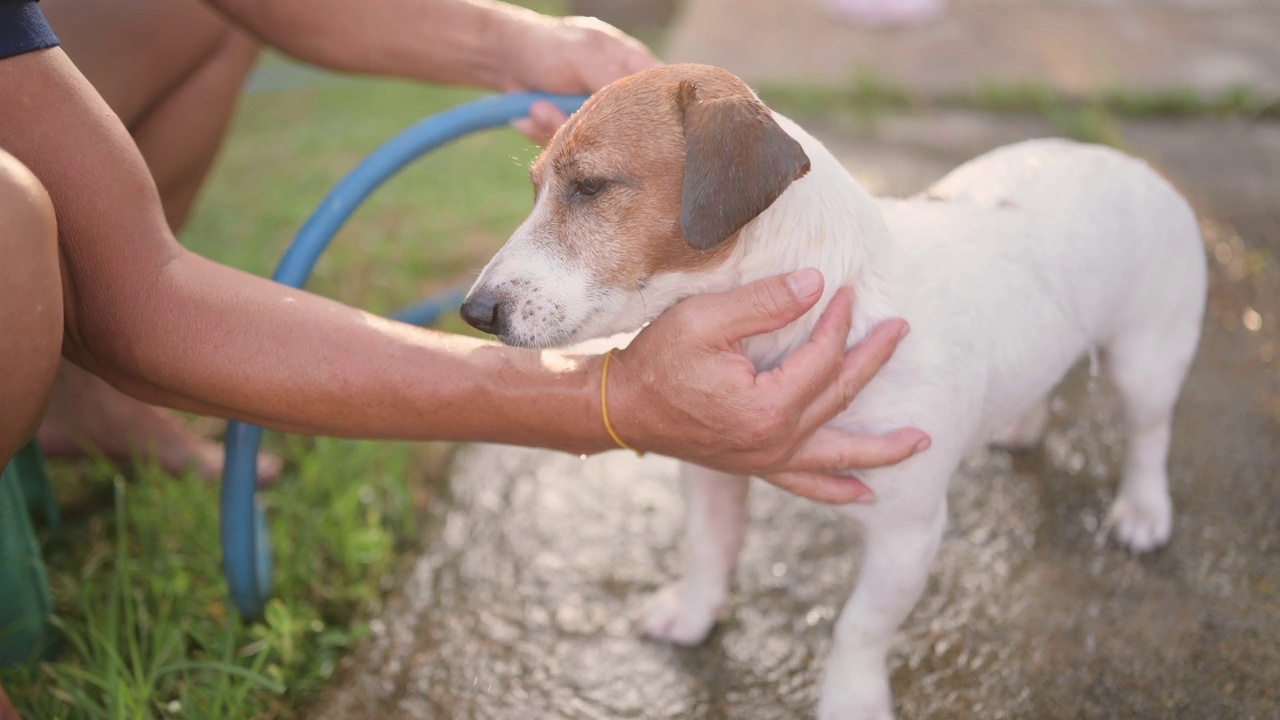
(1024, 259)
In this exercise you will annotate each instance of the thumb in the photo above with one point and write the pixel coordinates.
(769, 304)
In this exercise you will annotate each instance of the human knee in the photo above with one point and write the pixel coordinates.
(30, 301)
(24, 203)
(28, 239)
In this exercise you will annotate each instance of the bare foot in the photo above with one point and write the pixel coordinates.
(86, 415)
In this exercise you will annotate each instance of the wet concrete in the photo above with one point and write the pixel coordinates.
(518, 607)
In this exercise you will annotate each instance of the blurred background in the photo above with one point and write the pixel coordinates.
(428, 581)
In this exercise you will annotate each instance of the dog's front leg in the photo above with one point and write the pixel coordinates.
(715, 523)
(900, 542)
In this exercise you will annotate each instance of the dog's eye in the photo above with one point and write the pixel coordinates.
(587, 187)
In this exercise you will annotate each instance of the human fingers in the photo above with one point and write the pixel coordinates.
(603, 53)
(833, 451)
(828, 489)
(756, 308)
(815, 366)
(855, 371)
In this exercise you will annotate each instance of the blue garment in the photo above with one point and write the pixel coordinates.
(23, 28)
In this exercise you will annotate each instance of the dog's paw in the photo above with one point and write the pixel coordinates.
(680, 614)
(855, 686)
(1141, 524)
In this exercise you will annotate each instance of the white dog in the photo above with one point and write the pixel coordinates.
(679, 181)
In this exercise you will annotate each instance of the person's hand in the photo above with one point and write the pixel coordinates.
(569, 56)
(684, 388)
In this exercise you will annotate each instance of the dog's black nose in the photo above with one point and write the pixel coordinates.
(484, 313)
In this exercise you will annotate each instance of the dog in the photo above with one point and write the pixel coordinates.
(679, 180)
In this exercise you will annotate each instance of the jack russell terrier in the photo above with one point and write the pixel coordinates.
(679, 181)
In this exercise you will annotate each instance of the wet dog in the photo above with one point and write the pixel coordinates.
(679, 181)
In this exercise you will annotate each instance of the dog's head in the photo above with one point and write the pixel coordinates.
(643, 191)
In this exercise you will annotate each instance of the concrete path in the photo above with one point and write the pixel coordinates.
(1079, 47)
(517, 608)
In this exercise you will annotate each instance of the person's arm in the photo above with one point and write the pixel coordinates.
(169, 326)
(479, 43)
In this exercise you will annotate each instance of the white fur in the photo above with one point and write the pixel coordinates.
(1009, 270)
(556, 300)
(553, 299)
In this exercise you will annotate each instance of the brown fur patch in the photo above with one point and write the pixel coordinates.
(737, 162)
(632, 134)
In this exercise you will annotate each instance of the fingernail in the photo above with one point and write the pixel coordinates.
(906, 328)
(923, 444)
(804, 283)
(868, 498)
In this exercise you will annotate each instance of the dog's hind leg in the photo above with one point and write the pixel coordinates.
(715, 524)
(1148, 369)
(900, 544)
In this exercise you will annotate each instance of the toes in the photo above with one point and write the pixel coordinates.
(1141, 527)
(856, 686)
(679, 616)
(850, 704)
(206, 459)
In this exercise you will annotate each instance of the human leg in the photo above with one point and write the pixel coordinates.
(172, 70)
(30, 303)
(30, 314)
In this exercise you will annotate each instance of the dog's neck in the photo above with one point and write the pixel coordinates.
(825, 220)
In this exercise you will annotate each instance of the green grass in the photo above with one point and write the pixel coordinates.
(137, 571)
(436, 223)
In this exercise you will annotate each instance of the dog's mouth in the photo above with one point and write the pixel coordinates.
(513, 326)
(540, 341)
(537, 321)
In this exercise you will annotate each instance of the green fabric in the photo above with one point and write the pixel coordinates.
(36, 488)
(26, 634)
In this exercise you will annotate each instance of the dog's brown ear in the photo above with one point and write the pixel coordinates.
(737, 161)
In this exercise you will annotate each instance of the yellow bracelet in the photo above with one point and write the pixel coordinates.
(604, 406)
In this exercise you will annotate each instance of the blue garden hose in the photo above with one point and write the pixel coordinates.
(246, 544)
